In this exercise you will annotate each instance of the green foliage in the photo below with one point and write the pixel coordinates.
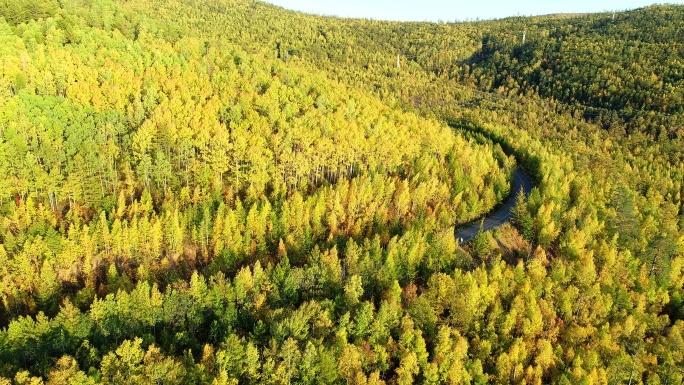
(20, 11)
(228, 192)
(481, 244)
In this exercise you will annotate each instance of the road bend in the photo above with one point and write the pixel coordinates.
(503, 214)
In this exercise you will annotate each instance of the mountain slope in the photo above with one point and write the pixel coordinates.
(223, 191)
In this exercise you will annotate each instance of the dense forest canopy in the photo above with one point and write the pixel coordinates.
(226, 192)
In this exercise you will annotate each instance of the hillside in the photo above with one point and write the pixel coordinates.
(223, 191)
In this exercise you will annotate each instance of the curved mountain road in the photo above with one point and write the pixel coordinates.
(502, 214)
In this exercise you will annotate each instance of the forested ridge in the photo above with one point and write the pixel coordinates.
(226, 192)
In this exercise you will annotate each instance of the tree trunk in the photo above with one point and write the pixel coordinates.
(653, 264)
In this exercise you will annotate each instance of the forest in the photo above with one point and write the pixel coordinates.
(227, 192)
